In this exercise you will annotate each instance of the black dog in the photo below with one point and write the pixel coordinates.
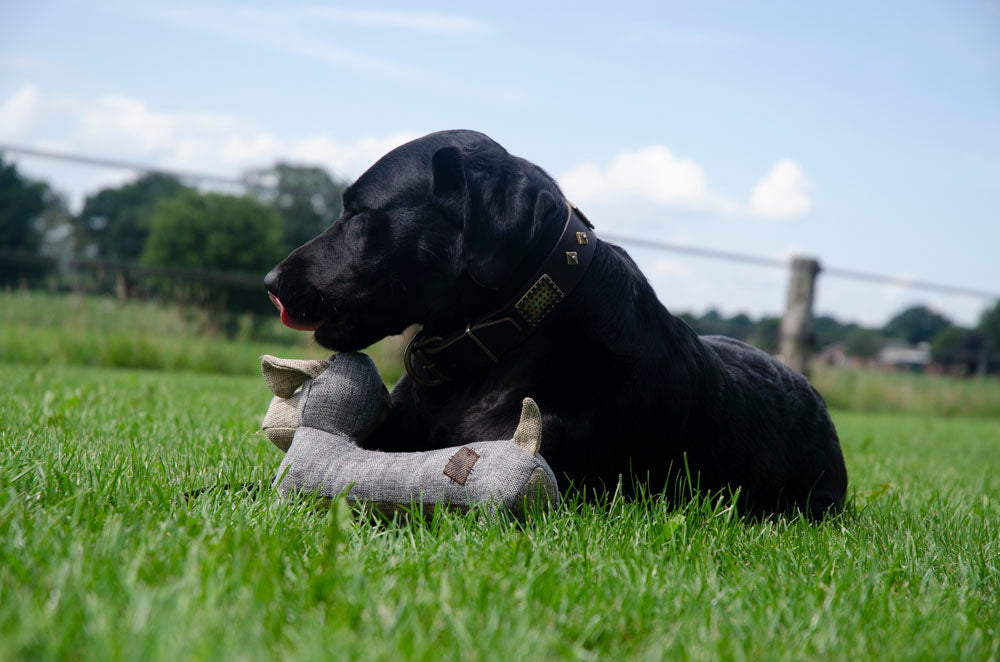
(447, 229)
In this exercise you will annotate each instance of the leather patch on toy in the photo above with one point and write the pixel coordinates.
(460, 465)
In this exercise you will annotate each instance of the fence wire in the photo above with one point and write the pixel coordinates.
(245, 279)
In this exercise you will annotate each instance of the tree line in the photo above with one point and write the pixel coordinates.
(158, 221)
(967, 349)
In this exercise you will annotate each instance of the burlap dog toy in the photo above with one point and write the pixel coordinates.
(343, 399)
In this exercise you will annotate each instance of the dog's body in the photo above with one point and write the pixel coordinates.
(447, 228)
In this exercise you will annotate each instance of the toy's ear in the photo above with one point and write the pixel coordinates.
(528, 435)
(281, 420)
(284, 376)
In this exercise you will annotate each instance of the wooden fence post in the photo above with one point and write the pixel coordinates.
(121, 286)
(797, 337)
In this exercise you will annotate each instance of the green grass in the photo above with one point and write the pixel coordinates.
(101, 559)
(42, 328)
(870, 391)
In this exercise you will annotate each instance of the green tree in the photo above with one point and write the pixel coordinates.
(739, 326)
(58, 226)
(946, 346)
(219, 233)
(26, 206)
(214, 231)
(307, 198)
(958, 346)
(766, 335)
(115, 222)
(916, 324)
(863, 343)
(712, 323)
(989, 326)
(22, 203)
(829, 330)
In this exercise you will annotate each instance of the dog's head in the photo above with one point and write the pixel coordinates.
(434, 233)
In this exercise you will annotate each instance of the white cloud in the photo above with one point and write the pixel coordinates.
(670, 267)
(653, 174)
(694, 284)
(347, 157)
(783, 193)
(656, 176)
(125, 128)
(899, 288)
(17, 112)
(689, 284)
(850, 300)
(21, 62)
(900, 294)
(417, 21)
(128, 124)
(321, 34)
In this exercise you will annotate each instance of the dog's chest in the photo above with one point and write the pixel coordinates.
(462, 417)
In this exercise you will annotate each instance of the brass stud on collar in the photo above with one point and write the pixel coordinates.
(571, 258)
(581, 238)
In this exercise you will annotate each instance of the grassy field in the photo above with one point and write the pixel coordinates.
(101, 558)
(46, 329)
(872, 391)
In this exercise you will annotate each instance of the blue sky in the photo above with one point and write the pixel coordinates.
(867, 134)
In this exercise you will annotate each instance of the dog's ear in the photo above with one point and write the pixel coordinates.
(449, 175)
(494, 240)
(499, 214)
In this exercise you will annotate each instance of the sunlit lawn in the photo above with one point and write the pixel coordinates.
(101, 558)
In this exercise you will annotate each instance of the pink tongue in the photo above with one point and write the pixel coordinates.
(290, 321)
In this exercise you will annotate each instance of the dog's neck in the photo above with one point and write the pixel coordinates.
(474, 301)
(431, 359)
(615, 322)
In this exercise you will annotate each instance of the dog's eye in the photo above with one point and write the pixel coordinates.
(352, 212)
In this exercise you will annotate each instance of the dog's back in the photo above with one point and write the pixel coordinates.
(774, 427)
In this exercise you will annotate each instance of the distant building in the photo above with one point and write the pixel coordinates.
(901, 356)
(835, 354)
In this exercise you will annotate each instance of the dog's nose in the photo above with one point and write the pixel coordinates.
(271, 281)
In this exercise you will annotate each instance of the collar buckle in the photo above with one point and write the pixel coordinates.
(415, 347)
(479, 343)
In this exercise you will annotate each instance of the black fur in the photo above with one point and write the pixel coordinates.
(446, 228)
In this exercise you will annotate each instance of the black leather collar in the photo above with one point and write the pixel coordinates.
(433, 360)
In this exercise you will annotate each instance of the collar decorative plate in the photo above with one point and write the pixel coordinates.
(539, 300)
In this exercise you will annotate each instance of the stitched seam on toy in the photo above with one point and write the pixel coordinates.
(460, 465)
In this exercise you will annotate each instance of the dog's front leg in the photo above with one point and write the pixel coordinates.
(403, 429)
